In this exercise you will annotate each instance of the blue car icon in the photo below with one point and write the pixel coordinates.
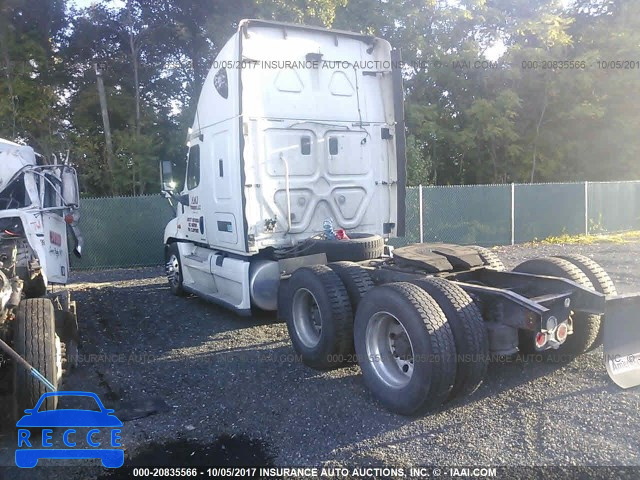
(99, 421)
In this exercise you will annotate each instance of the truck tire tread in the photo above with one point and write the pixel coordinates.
(489, 258)
(336, 340)
(469, 332)
(35, 342)
(177, 290)
(359, 247)
(413, 305)
(599, 278)
(356, 280)
(585, 326)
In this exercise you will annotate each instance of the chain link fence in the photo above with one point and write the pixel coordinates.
(122, 232)
(545, 210)
(127, 231)
(613, 206)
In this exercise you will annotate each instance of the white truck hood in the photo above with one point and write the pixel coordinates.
(13, 157)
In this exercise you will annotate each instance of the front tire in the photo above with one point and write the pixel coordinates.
(36, 341)
(174, 269)
(405, 348)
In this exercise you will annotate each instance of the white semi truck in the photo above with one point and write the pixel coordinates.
(295, 179)
(39, 203)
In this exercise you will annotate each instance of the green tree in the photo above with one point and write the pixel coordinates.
(466, 123)
(32, 77)
(311, 12)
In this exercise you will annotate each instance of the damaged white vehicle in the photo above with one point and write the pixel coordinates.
(39, 202)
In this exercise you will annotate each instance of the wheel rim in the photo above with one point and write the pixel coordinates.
(307, 318)
(173, 271)
(389, 349)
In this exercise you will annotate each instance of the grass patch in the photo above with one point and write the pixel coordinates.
(623, 237)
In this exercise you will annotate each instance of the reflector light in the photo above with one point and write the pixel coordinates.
(562, 332)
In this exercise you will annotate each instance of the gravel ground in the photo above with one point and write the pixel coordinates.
(214, 377)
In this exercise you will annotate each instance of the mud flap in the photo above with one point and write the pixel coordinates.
(622, 339)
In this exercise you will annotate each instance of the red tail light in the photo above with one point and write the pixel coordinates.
(562, 332)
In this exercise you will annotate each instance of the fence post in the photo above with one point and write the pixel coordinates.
(586, 207)
(420, 213)
(513, 213)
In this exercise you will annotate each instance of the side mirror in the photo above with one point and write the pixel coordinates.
(166, 176)
(70, 190)
(184, 199)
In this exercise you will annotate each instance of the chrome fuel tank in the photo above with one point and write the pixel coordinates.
(264, 278)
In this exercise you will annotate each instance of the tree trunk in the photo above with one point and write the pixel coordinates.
(107, 126)
(136, 66)
(535, 140)
(136, 80)
(494, 160)
(134, 56)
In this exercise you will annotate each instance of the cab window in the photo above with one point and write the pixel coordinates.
(14, 195)
(51, 196)
(193, 167)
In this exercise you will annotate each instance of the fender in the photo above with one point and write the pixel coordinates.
(171, 230)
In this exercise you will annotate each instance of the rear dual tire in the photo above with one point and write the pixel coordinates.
(407, 336)
(489, 258)
(469, 333)
(585, 326)
(600, 279)
(356, 281)
(405, 348)
(319, 317)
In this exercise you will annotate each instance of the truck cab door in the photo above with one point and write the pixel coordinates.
(196, 189)
(56, 262)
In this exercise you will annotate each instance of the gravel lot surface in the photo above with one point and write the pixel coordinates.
(227, 387)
